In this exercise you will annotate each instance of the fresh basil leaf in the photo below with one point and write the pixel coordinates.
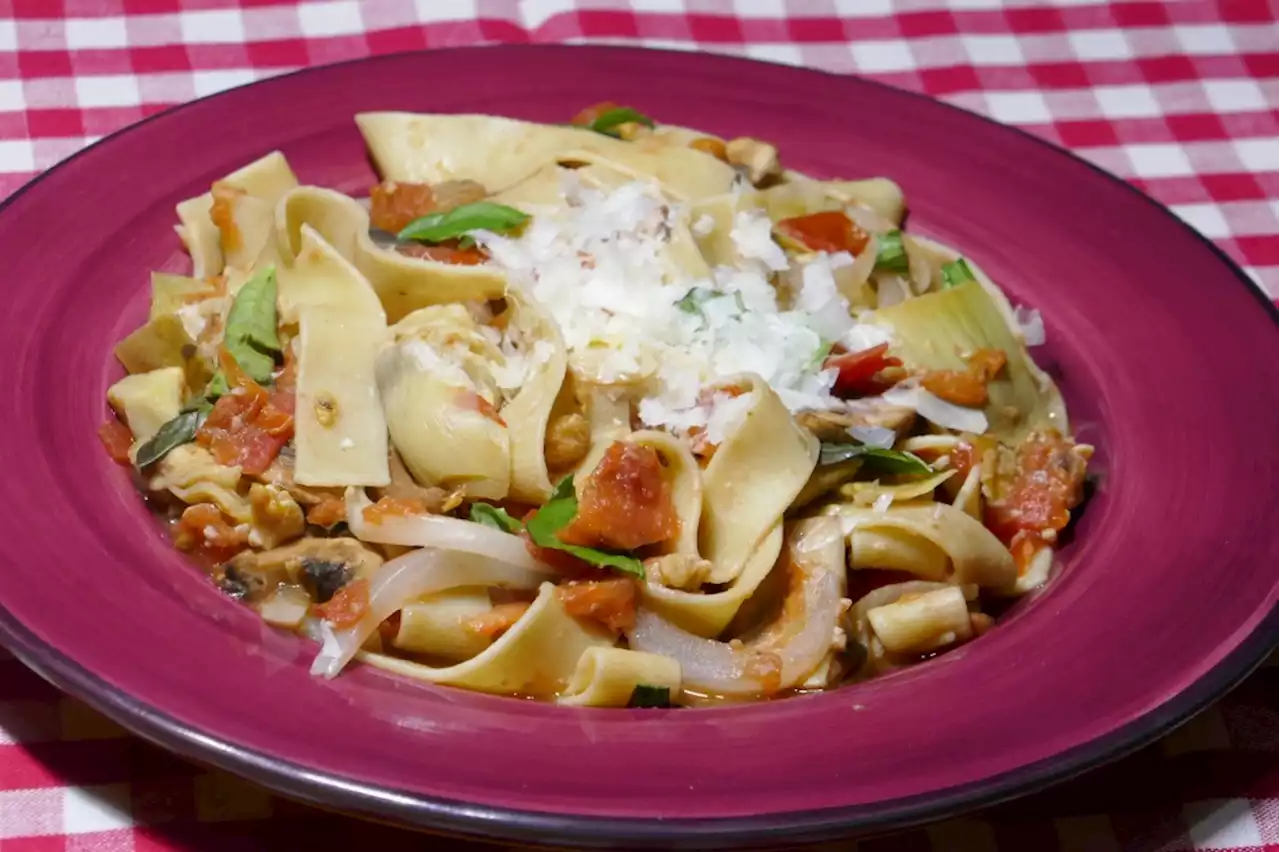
(178, 431)
(496, 517)
(449, 224)
(644, 696)
(956, 273)
(892, 255)
(692, 302)
(217, 386)
(555, 515)
(251, 335)
(874, 458)
(609, 122)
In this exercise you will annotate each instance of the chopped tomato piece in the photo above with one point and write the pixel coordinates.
(966, 454)
(328, 512)
(203, 530)
(116, 439)
(498, 620)
(858, 371)
(394, 204)
(347, 606)
(626, 502)
(446, 252)
(395, 507)
(473, 401)
(246, 428)
(1049, 483)
(610, 602)
(1024, 546)
(588, 116)
(960, 388)
(830, 230)
(988, 362)
(711, 145)
(222, 212)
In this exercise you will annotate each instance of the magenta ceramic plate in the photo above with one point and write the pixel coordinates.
(1167, 597)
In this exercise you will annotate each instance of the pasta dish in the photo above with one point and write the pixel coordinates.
(608, 413)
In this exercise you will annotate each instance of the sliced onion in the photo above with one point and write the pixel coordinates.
(949, 415)
(800, 638)
(1030, 325)
(874, 436)
(936, 410)
(439, 531)
(406, 579)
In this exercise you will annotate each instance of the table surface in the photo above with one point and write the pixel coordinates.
(1178, 98)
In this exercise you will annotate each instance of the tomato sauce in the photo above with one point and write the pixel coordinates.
(1048, 484)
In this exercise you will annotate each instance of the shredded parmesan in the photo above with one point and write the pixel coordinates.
(602, 266)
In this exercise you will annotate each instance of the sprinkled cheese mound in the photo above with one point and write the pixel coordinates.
(602, 265)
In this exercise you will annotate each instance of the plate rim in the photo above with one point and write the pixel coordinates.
(438, 814)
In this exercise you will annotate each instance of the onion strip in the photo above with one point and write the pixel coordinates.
(794, 644)
(407, 579)
(438, 531)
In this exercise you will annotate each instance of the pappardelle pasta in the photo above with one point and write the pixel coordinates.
(609, 413)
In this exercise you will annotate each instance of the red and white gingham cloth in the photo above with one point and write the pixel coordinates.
(1178, 97)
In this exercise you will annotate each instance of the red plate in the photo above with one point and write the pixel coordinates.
(1166, 354)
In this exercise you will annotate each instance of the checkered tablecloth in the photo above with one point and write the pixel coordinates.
(1179, 98)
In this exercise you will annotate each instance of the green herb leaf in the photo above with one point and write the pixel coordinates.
(645, 695)
(178, 431)
(556, 514)
(956, 273)
(217, 386)
(692, 302)
(481, 215)
(251, 335)
(496, 517)
(892, 255)
(874, 458)
(609, 122)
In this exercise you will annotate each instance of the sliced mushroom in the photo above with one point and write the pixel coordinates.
(321, 565)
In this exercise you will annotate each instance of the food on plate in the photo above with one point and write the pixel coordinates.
(609, 413)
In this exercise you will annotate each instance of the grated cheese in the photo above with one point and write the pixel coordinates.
(601, 265)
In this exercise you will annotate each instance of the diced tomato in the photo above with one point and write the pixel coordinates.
(394, 204)
(610, 602)
(116, 439)
(1048, 485)
(347, 606)
(711, 145)
(626, 502)
(222, 212)
(446, 252)
(203, 531)
(830, 230)
(328, 512)
(394, 507)
(247, 427)
(858, 371)
(955, 386)
(966, 454)
(473, 401)
(988, 362)
(1024, 546)
(498, 620)
(588, 116)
